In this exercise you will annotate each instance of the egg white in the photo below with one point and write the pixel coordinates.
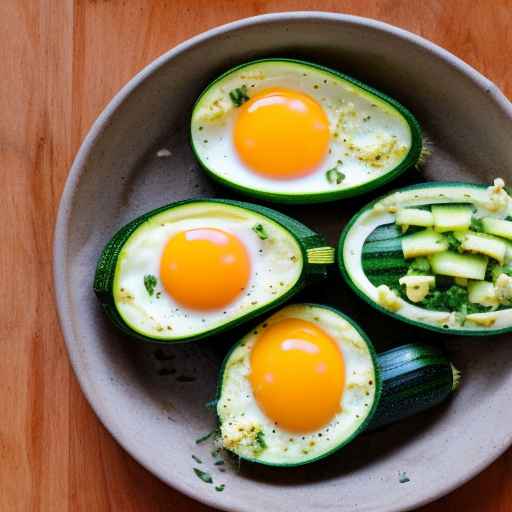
(276, 265)
(367, 135)
(244, 424)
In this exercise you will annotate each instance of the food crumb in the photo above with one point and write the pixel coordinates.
(163, 153)
(403, 478)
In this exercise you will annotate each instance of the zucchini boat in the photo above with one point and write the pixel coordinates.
(436, 255)
(290, 131)
(197, 267)
(307, 381)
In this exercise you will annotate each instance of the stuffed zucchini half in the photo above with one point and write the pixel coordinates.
(436, 255)
(198, 267)
(307, 381)
(295, 132)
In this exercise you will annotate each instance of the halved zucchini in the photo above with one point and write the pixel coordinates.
(370, 257)
(276, 257)
(367, 139)
(280, 377)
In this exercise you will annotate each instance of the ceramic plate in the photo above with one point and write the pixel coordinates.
(136, 391)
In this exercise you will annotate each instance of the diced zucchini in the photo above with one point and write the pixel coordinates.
(482, 292)
(423, 243)
(414, 217)
(417, 287)
(451, 217)
(485, 244)
(461, 281)
(497, 227)
(470, 266)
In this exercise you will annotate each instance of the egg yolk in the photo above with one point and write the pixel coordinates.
(281, 133)
(204, 268)
(297, 375)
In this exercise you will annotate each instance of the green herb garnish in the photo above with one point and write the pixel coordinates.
(150, 283)
(403, 478)
(260, 440)
(476, 224)
(419, 266)
(455, 298)
(206, 437)
(453, 242)
(220, 487)
(204, 476)
(211, 404)
(197, 459)
(260, 231)
(239, 96)
(218, 463)
(335, 176)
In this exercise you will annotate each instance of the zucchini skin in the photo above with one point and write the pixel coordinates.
(414, 378)
(376, 276)
(413, 157)
(105, 270)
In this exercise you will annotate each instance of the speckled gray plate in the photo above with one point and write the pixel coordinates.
(117, 175)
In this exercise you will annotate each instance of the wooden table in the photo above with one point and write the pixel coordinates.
(61, 61)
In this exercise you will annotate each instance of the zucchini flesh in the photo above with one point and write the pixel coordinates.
(470, 266)
(414, 378)
(414, 217)
(497, 227)
(485, 244)
(451, 217)
(482, 292)
(423, 243)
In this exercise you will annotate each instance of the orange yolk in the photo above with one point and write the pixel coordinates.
(297, 375)
(204, 268)
(281, 133)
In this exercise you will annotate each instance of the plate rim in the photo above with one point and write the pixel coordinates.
(61, 232)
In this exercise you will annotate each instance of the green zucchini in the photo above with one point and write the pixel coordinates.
(377, 389)
(371, 259)
(283, 256)
(370, 139)
(414, 378)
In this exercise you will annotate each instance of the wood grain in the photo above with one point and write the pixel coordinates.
(61, 62)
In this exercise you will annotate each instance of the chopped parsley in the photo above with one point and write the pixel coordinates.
(239, 96)
(419, 266)
(150, 283)
(455, 298)
(211, 404)
(204, 476)
(334, 176)
(204, 438)
(260, 231)
(197, 459)
(476, 224)
(220, 488)
(260, 440)
(453, 242)
(218, 463)
(403, 478)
